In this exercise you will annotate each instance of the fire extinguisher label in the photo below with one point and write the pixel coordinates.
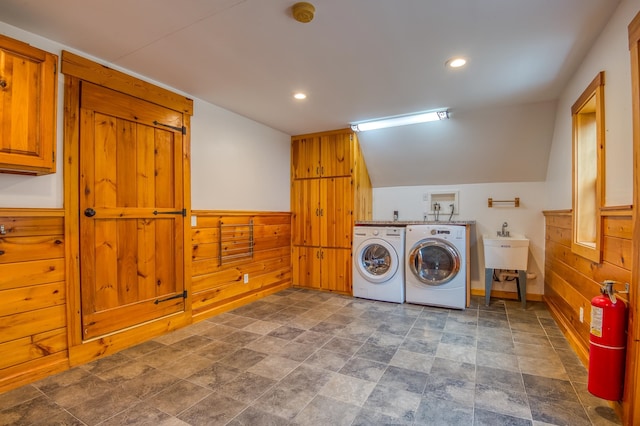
(596, 321)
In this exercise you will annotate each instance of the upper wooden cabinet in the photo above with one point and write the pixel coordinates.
(28, 100)
(322, 155)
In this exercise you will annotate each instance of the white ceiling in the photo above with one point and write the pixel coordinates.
(357, 60)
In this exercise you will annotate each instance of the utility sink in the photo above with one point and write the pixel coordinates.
(510, 252)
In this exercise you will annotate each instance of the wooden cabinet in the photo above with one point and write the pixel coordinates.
(322, 155)
(323, 212)
(330, 190)
(28, 102)
(322, 268)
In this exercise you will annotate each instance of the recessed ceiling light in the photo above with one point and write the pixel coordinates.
(300, 96)
(456, 62)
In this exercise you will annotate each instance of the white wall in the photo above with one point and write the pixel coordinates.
(610, 53)
(237, 163)
(526, 219)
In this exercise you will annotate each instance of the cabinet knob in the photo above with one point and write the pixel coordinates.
(89, 212)
(3, 83)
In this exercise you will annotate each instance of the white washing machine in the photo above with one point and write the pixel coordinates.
(436, 265)
(378, 263)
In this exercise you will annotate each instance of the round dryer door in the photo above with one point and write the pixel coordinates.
(376, 260)
(434, 262)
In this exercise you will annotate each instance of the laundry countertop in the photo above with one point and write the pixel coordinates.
(412, 222)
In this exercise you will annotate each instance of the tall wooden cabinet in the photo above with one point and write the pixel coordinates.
(28, 102)
(330, 190)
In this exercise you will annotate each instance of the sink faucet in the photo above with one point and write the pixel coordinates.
(504, 232)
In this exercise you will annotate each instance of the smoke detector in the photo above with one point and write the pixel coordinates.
(303, 12)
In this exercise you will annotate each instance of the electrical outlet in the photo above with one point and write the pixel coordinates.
(246, 278)
(581, 314)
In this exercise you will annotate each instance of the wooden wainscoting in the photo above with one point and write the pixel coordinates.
(219, 281)
(33, 327)
(571, 281)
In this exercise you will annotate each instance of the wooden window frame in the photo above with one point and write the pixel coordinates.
(589, 103)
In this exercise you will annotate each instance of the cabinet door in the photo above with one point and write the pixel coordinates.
(305, 157)
(306, 267)
(336, 269)
(336, 212)
(28, 89)
(336, 157)
(305, 207)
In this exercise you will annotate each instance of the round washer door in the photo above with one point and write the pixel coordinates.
(376, 260)
(434, 262)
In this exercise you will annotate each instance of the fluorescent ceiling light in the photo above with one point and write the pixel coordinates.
(401, 120)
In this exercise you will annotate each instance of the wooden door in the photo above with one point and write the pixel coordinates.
(305, 157)
(336, 212)
(306, 267)
(305, 205)
(336, 269)
(131, 211)
(335, 154)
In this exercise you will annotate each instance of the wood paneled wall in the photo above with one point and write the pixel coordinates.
(33, 320)
(33, 328)
(217, 286)
(571, 281)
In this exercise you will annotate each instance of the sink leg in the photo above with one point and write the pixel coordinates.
(488, 282)
(522, 278)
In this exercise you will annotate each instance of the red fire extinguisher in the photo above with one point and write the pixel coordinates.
(607, 339)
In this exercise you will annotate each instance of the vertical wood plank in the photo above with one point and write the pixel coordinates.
(127, 258)
(164, 261)
(72, 201)
(85, 252)
(164, 169)
(104, 284)
(146, 270)
(125, 165)
(105, 157)
(145, 167)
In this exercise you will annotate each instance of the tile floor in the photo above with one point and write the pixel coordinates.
(310, 358)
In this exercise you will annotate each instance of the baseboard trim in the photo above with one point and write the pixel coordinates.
(512, 295)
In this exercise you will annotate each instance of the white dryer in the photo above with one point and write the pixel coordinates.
(378, 263)
(436, 265)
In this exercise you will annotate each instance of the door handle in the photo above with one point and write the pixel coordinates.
(89, 212)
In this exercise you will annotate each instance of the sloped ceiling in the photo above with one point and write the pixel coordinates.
(357, 60)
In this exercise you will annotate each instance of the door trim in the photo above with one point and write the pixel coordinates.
(77, 69)
(631, 398)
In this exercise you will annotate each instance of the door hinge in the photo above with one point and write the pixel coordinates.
(182, 295)
(181, 129)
